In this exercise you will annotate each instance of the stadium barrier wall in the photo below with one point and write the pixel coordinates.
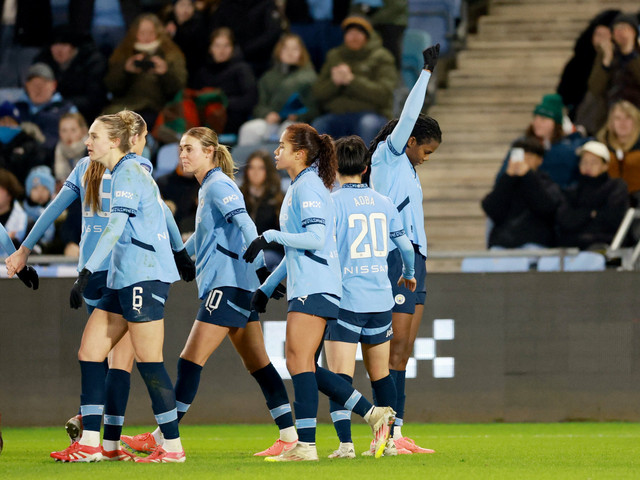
(491, 347)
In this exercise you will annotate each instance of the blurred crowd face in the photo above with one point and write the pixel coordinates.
(40, 90)
(146, 32)
(601, 34)
(291, 52)
(591, 165)
(256, 172)
(623, 125)
(355, 39)
(40, 195)
(543, 127)
(62, 53)
(183, 10)
(221, 49)
(5, 199)
(70, 131)
(8, 122)
(625, 36)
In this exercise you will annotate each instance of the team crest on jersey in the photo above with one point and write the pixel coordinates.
(400, 299)
(303, 299)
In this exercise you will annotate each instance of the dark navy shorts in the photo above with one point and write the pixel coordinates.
(319, 304)
(227, 307)
(353, 327)
(95, 294)
(140, 302)
(406, 300)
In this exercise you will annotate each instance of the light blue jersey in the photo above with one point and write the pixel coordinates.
(218, 242)
(5, 241)
(365, 223)
(311, 255)
(93, 223)
(142, 249)
(392, 174)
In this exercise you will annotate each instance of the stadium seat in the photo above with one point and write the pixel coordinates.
(414, 42)
(582, 262)
(501, 264)
(167, 160)
(436, 18)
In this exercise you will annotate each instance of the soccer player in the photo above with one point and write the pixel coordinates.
(397, 150)
(312, 268)
(27, 274)
(91, 182)
(225, 286)
(366, 222)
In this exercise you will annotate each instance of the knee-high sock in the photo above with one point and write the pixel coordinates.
(341, 391)
(305, 405)
(117, 387)
(399, 379)
(384, 390)
(163, 398)
(275, 394)
(341, 417)
(186, 385)
(92, 397)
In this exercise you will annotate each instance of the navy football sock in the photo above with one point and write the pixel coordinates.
(275, 394)
(163, 399)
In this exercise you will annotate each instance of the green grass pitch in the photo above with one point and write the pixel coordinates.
(463, 451)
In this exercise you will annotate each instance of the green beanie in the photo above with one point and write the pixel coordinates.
(551, 107)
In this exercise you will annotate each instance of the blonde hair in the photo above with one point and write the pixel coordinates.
(122, 125)
(221, 155)
(607, 134)
(305, 58)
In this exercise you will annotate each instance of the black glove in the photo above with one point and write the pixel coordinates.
(259, 301)
(29, 277)
(430, 56)
(258, 244)
(75, 298)
(280, 290)
(186, 267)
(263, 273)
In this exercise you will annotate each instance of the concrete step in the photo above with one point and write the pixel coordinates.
(484, 66)
(472, 193)
(452, 209)
(528, 97)
(438, 110)
(506, 34)
(525, 56)
(507, 79)
(552, 10)
(475, 42)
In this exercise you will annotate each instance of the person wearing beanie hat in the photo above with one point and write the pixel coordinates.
(592, 209)
(551, 107)
(616, 70)
(355, 85)
(40, 189)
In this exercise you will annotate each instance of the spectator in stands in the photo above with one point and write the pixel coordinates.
(43, 105)
(12, 215)
(106, 21)
(573, 82)
(79, 69)
(179, 190)
(25, 29)
(188, 29)
(621, 134)
(616, 69)
(226, 69)
(40, 189)
(263, 197)
(356, 83)
(256, 26)
(591, 210)
(21, 146)
(523, 202)
(318, 24)
(389, 18)
(284, 93)
(146, 70)
(560, 158)
(70, 148)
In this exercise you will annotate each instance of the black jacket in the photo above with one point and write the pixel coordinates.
(591, 211)
(33, 22)
(523, 210)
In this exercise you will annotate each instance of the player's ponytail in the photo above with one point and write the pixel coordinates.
(92, 179)
(134, 123)
(221, 155)
(319, 149)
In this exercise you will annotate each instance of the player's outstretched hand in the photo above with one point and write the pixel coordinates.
(259, 301)
(409, 284)
(75, 298)
(430, 56)
(186, 267)
(29, 277)
(258, 244)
